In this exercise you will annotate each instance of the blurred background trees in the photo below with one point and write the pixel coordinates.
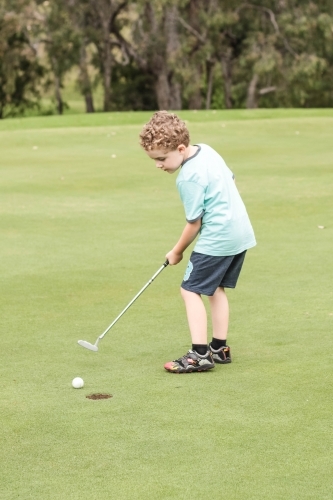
(166, 54)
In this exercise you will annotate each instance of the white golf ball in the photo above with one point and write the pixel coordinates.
(77, 383)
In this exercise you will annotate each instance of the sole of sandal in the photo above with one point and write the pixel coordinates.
(191, 370)
(221, 362)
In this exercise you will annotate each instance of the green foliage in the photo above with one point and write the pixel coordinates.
(20, 70)
(175, 54)
(60, 40)
(132, 89)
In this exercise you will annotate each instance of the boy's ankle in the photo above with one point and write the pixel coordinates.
(201, 349)
(218, 343)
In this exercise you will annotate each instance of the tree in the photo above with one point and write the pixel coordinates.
(153, 45)
(20, 71)
(214, 37)
(78, 12)
(169, 53)
(53, 28)
(310, 29)
(103, 19)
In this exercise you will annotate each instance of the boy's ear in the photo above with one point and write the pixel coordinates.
(181, 148)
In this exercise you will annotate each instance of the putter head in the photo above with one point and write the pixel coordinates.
(88, 345)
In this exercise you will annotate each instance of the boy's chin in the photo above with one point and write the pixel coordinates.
(172, 171)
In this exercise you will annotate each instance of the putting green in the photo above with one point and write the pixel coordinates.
(86, 220)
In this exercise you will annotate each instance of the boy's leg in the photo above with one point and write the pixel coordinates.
(219, 306)
(220, 318)
(196, 316)
(199, 358)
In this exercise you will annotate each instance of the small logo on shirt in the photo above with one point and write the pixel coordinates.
(188, 271)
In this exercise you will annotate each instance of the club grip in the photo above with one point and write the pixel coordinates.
(166, 263)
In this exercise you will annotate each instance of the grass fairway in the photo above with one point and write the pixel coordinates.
(86, 220)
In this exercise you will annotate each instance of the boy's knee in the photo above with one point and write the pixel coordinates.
(219, 292)
(186, 293)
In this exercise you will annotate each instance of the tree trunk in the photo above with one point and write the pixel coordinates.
(175, 99)
(90, 108)
(59, 101)
(107, 66)
(168, 90)
(251, 101)
(172, 47)
(162, 90)
(210, 74)
(227, 80)
(78, 20)
(85, 83)
(57, 87)
(195, 100)
(104, 9)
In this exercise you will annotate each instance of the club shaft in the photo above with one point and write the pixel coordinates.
(134, 299)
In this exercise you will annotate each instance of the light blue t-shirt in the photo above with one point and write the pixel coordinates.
(208, 191)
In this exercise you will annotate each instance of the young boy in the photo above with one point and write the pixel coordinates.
(215, 210)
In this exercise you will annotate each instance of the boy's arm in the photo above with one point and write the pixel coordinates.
(188, 235)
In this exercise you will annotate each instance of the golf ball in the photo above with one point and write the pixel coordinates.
(77, 383)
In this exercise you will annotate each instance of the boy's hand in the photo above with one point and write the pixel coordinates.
(173, 257)
(188, 235)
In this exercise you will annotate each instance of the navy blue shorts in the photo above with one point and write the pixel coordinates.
(205, 273)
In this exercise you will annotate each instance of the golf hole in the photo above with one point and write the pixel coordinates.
(99, 396)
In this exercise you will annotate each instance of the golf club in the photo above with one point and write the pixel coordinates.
(94, 347)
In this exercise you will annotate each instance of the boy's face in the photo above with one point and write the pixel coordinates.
(169, 161)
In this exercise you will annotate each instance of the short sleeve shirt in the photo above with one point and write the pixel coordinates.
(208, 191)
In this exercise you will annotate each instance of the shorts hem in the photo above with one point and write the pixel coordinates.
(200, 292)
(224, 285)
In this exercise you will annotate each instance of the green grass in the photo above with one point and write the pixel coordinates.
(82, 232)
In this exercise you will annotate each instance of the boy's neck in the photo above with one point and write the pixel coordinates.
(189, 152)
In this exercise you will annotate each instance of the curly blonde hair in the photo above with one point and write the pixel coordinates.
(164, 131)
